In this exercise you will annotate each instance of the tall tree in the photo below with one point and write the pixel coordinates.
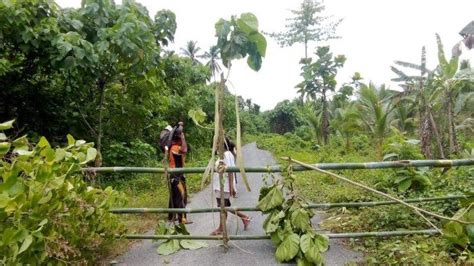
(307, 24)
(191, 50)
(319, 79)
(213, 60)
(111, 43)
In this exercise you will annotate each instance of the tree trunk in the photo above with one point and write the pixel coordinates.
(325, 118)
(305, 49)
(101, 87)
(453, 143)
(434, 127)
(425, 134)
(348, 143)
(220, 149)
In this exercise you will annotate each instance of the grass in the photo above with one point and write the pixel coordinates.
(320, 188)
(151, 191)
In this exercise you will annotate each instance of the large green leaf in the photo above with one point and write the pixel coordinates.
(260, 42)
(322, 242)
(4, 147)
(59, 155)
(91, 154)
(404, 184)
(248, 23)
(4, 199)
(7, 125)
(21, 143)
(169, 247)
(454, 233)
(70, 140)
(305, 242)
(289, 248)
(43, 142)
(26, 244)
(192, 244)
(470, 232)
(300, 219)
(270, 224)
(273, 199)
(222, 28)
(254, 61)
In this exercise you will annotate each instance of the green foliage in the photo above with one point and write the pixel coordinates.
(171, 246)
(284, 117)
(135, 153)
(318, 188)
(48, 213)
(288, 224)
(319, 78)
(460, 237)
(240, 37)
(307, 24)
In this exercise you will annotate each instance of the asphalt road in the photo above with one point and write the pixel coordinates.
(242, 252)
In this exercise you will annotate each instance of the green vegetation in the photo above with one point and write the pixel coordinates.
(49, 213)
(103, 73)
(288, 224)
(320, 188)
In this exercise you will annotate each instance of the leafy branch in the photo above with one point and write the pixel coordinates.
(289, 224)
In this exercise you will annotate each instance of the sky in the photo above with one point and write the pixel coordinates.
(373, 33)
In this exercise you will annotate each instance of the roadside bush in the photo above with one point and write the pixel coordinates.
(135, 153)
(48, 214)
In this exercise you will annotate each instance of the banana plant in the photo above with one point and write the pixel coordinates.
(421, 87)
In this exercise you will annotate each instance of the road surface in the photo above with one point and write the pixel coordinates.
(242, 252)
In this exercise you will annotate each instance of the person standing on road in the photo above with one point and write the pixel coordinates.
(229, 186)
(178, 194)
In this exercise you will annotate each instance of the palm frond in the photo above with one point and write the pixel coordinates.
(409, 65)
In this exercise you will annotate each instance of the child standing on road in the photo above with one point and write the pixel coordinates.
(229, 186)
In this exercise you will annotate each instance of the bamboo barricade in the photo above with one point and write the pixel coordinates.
(309, 206)
(278, 168)
(263, 237)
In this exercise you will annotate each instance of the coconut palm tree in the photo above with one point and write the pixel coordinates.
(191, 51)
(213, 60)
(375, 107)
(347, 122)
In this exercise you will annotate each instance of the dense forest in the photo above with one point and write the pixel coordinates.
(95, 86)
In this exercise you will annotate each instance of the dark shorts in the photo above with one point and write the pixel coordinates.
(226, 202)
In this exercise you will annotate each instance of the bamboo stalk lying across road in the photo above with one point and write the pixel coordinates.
(278, 168)
(309, 206)
(259, 237)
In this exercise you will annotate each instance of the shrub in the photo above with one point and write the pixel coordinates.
(135, 153)
(48, 213)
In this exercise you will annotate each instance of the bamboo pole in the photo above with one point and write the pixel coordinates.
(221, 169)
(417, 210)
(262, 237)
(278, 168)
(309, 206)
